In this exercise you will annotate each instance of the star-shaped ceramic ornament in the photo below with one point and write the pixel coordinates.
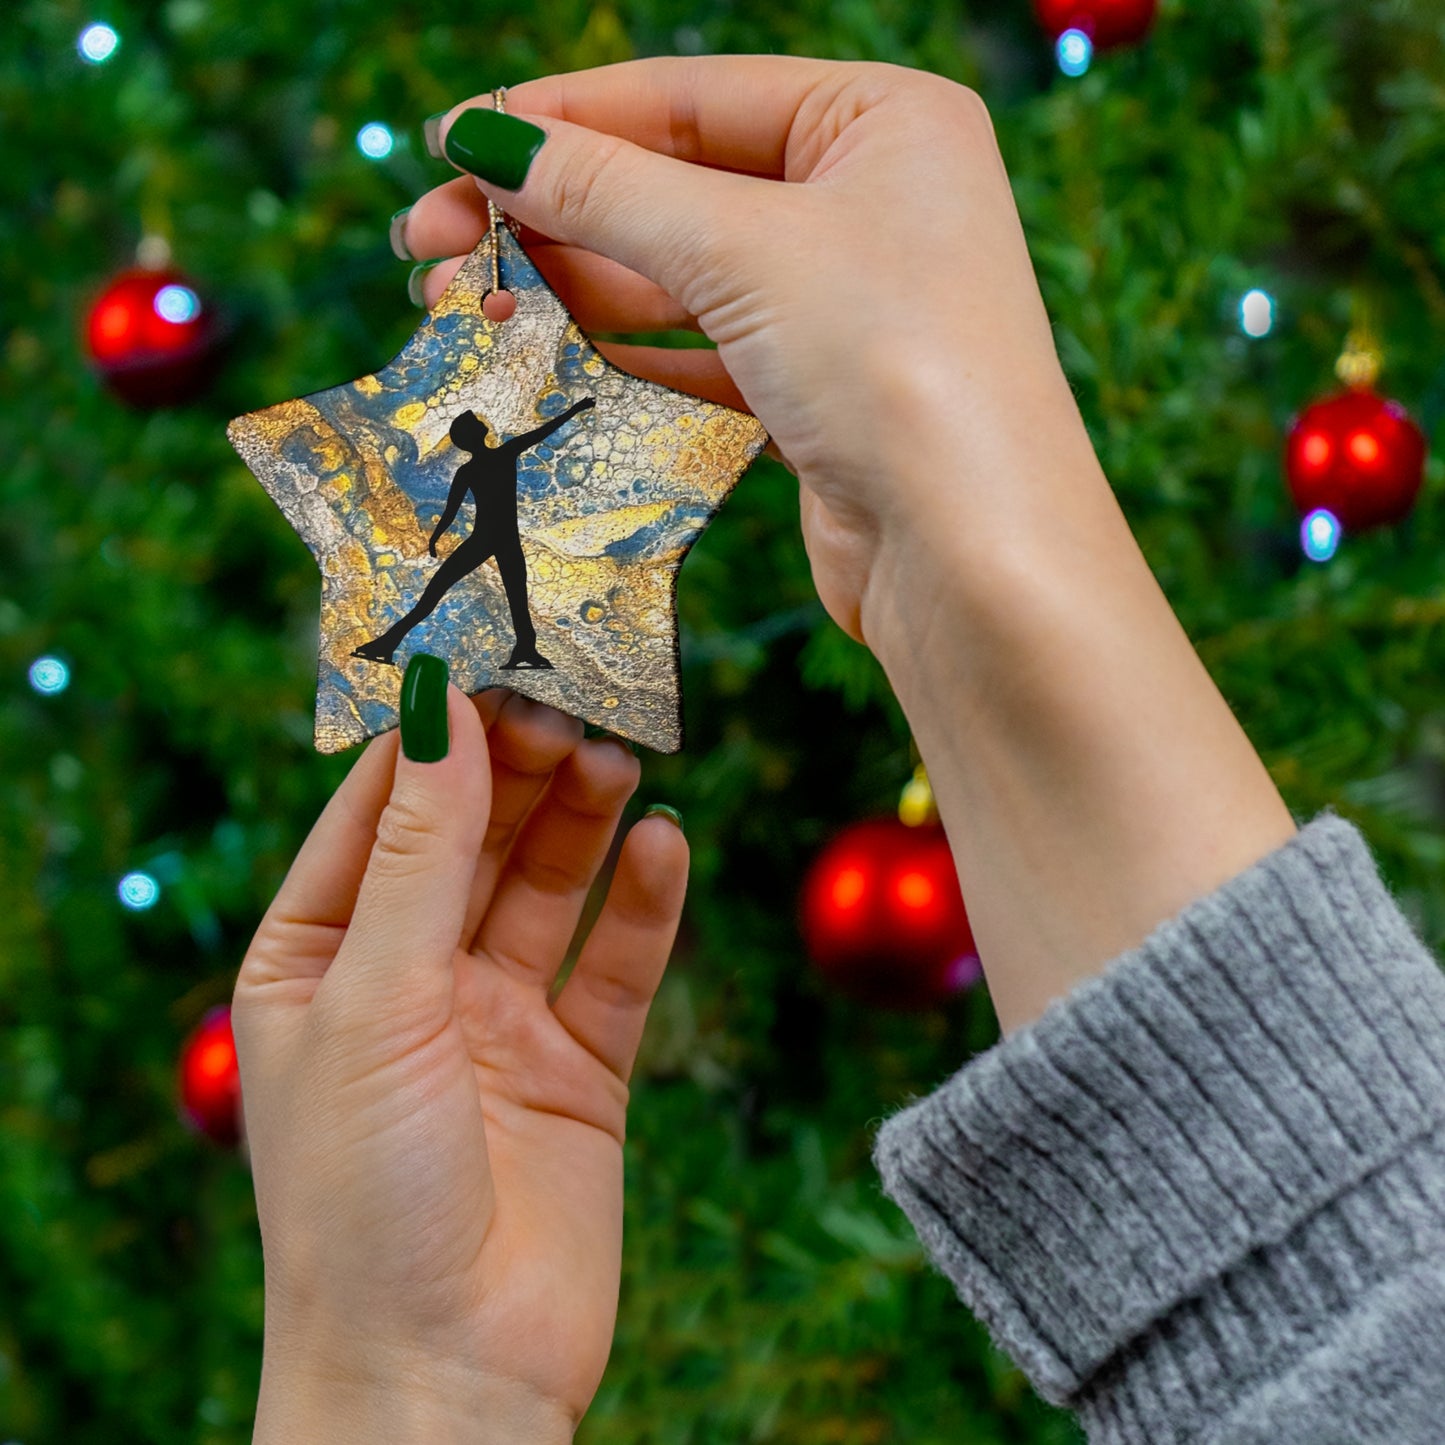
(503, 497)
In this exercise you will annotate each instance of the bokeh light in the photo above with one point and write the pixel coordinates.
(1320, 535)
(965, 970)
(1075, 52)
(375, 140)
(1256, 313)
(97, 43)
(1364, 448)
(849, 887)
(138, 891)
(1315, 451)
(914, 889)
(178, 304)
(49, 675)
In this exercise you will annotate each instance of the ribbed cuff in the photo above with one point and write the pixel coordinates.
(1171, 1158)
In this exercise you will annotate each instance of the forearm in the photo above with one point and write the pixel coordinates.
(1092, 779)
(443, 522)
(540, 434)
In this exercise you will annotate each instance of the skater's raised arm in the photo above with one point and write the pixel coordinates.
(531, 438)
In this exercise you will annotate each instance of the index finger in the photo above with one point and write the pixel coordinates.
(735, 112)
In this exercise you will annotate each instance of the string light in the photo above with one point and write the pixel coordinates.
(375, 141)
(49, 675)
(966, 969)
(177, 304)
(97, 43)
(138, 891)
(1256, 313)
(1075, 52)
(1320, 535)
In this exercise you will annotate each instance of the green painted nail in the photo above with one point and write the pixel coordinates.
(431, 133)
(670, 813)
(415, 294)
(424, 734)
(498, 148)
(398, 235)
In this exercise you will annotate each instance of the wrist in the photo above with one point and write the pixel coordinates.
(984, 495)
(418, 1401)
(1092, 779)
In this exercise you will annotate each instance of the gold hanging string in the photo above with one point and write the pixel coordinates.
(494, 214)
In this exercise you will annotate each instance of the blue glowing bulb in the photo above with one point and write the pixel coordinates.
(177, 304)
(375, 141)
(97, 43)
(138, 891)
(1075, 52)
(1256, 313)
(1320, 535)
(49, 675)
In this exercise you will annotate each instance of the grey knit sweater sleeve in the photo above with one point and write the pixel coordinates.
(1202, 1198)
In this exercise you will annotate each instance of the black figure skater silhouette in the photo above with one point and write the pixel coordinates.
(491, 477)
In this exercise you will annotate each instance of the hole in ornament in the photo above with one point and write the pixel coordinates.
(499, 305)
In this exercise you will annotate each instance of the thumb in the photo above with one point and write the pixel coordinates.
(675, 223)
(394, 966)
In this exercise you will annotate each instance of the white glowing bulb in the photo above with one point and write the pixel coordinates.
(177, 304)
(1320, 535)
(1075, 52)
(138, 891)
(49, 675)
(1256, 313)
(97, 43)
(375, 140)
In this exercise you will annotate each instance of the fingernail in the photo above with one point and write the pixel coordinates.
(398, 235)
(413, 283)
(610, 737)
(498, 148)
(424, 734)
(670, 813)
(431, 132)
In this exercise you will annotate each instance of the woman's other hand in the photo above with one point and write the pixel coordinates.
(437, 1148)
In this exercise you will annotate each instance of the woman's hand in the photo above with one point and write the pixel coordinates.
(880, 314)
(437, 1148)
(847, 234)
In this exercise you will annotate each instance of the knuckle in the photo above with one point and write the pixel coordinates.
(576, 196)
(407, 833)
(617, 991)
(552, 876)
(684, 129)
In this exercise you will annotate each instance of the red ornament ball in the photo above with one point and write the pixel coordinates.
(1357, 455)
(210, 1080)
(1107, 23)
(152, 338)
(883, 916)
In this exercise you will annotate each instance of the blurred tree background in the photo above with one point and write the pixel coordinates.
(770, 1291)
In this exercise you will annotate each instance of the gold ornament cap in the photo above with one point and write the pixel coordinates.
(916, 806)
(1360, 362)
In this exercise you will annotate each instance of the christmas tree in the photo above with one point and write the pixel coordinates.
(1213, 212)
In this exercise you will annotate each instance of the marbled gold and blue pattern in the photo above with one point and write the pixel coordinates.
(608, 506)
